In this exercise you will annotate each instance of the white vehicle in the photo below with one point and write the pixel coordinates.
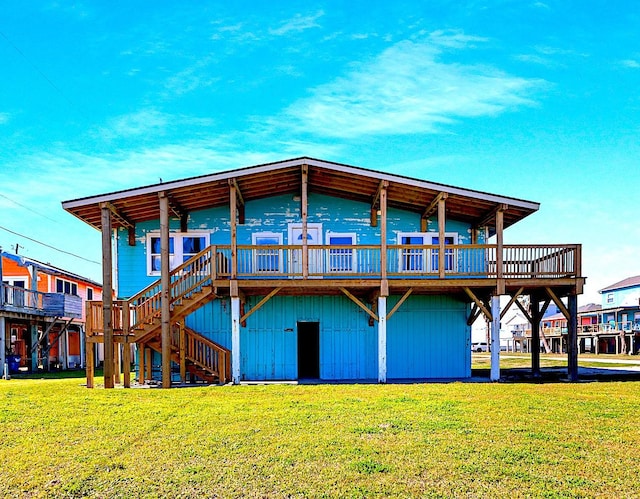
(479, 347)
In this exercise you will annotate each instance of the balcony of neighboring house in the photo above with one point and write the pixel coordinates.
(17, 301)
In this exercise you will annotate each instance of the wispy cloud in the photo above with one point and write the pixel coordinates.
(147, 122)
(298, 23)
(408, 89)
(630, 63)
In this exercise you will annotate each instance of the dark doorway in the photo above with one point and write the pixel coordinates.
(308, 350)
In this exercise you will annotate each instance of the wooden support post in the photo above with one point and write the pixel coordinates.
(235, 339)
(141, 362)
(572, 337)
(183, 354)
(304, 215)
(384, 286)
(107, 295)
(126, 363)
(441, 237)
(126, 346)
(382, 339)
(116, 363)
(234, 231)
(495, 338)
(90, 362)
(500, 287)
(165, 297)
(148, 363)
(536, 317)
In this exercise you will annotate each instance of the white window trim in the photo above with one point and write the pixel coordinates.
(175, 258)
(353, 237)
(426, 254)
(256, 252)
(71, 284)
(610, 297)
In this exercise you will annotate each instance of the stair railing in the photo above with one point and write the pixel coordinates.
(214, 359)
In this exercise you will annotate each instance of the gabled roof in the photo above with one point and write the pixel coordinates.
(629, 282)
(284, 177)
(47, 268)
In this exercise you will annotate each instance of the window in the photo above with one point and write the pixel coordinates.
(422, 259)
(341, 259)
(267, 260)
(609, 297)
(182, 246)
(66, 287)
(89, 294)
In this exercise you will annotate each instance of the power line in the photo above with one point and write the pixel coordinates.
(46, 78)
(49, 246)
(29, 209)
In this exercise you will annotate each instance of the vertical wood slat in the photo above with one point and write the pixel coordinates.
(90, 362)
(182, 350)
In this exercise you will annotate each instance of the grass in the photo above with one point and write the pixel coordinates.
(419, 440)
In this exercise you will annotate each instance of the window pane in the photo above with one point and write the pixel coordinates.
(340, 240)
(341, 260)
(59, 286)
(89, 294)
(193, 245)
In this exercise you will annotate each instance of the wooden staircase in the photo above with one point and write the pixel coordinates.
(138, 319)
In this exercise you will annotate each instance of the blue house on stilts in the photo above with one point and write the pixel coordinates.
(308, 269)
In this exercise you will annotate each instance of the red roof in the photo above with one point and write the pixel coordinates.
(625, 283)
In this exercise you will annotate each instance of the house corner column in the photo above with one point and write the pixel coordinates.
(382, 339)
(235, 339)
(495, 338)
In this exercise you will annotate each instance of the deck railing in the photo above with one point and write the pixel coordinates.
(364, 261)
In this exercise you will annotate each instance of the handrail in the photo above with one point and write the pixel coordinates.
(204, 353)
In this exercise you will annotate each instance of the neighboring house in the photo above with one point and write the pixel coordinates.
(310, 269)
(42, 314)
(619, 320)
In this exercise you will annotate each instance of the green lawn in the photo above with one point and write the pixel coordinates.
(60, 439)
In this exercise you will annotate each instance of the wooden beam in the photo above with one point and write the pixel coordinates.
(433, 206)
(165, 297)
(374, 204)
(514, 297)
(500, 284)
(383, 230)
(119, 216)
(107, 294)
(475, 313)
(126, 349)
(479, 303)
(558, 303)
(179, 212)
(304, 203)
(234, 183)
(359, 303)
(400, 302)
(259, 304)
(441, 236)
(490, 215)
(233, 214)
(524, 311)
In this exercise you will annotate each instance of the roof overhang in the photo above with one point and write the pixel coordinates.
(284, 177)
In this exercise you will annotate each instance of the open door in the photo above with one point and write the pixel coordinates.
(308, 350)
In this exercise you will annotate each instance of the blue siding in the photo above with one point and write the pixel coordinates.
(428, 337)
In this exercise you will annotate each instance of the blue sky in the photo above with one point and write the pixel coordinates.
(537, 100)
